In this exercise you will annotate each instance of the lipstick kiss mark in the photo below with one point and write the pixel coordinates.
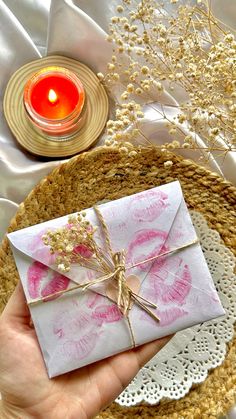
(36, 272)
(93, 299)
(57, 283)
(83, 250)
(106, 314)
(152, 240)
(37, 241)
(42, 281)
(171, 282)
(152, 203)
(180, 288)
(40, 250)
(166, 317)
(80, 349)
(68, 322)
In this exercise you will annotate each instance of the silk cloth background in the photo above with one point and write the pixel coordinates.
(30, 29)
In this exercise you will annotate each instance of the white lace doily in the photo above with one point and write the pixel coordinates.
(186, 359)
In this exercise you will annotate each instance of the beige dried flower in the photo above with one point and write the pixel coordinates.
(185, 47)
(100, 76)
(133, 153)
(168, 164)
(120, 9)
(74, 243)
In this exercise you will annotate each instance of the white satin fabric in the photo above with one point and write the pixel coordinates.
(75, 28)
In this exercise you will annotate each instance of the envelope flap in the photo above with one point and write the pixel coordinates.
(130, 221)
(29, 242)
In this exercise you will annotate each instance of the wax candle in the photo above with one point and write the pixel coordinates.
(54, 99)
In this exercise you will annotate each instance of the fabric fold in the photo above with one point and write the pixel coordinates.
(81, 38)
(33, 16)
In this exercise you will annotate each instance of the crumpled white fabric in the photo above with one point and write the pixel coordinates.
(75, 28)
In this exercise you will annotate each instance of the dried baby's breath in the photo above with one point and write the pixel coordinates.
(168, 164)
(75, 243)
(180, 46)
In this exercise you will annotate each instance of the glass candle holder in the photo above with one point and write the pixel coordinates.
(54, 100)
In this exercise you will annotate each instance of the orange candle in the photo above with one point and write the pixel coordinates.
(54, 99)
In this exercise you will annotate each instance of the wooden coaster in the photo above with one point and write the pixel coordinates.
(96, 110)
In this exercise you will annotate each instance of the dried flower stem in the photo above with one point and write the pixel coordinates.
(184, 47)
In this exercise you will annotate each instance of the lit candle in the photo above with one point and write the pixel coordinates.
(54, 99)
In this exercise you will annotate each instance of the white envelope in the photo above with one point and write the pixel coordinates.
(78, 328)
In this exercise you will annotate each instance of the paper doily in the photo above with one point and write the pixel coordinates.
(187, 358)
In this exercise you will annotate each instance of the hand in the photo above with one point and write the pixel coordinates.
(26, 390)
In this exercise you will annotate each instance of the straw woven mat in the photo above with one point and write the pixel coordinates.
(109, 174)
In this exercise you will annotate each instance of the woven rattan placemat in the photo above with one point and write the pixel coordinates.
(106, 173)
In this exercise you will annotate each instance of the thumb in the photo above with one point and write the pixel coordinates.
(16, 309)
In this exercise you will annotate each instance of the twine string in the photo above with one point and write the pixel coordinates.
(104, 278)
(126, 296)
(106, 232)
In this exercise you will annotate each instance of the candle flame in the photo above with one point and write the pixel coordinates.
(52, 96)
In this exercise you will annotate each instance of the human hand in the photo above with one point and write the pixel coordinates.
(26, 390)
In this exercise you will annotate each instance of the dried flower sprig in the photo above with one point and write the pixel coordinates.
(156, 47)
(75, 243)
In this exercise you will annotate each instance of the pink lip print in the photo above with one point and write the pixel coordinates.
(83, 251)
(175, 234)
(79, 349)
(68, 322)
(170, 284)
(107, 313)
(37, 241)
(73, 319)
(44, 254)
(38, 274)
(178, 275)
(93, 299)
(153, 204)
(166, 317)
(39, 250)
(57, 283)
(150, 240)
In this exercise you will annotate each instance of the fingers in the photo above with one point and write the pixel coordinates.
(146, 352)
(16, 309)
(124, 366)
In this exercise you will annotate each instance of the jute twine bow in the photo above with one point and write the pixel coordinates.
(125, 295)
